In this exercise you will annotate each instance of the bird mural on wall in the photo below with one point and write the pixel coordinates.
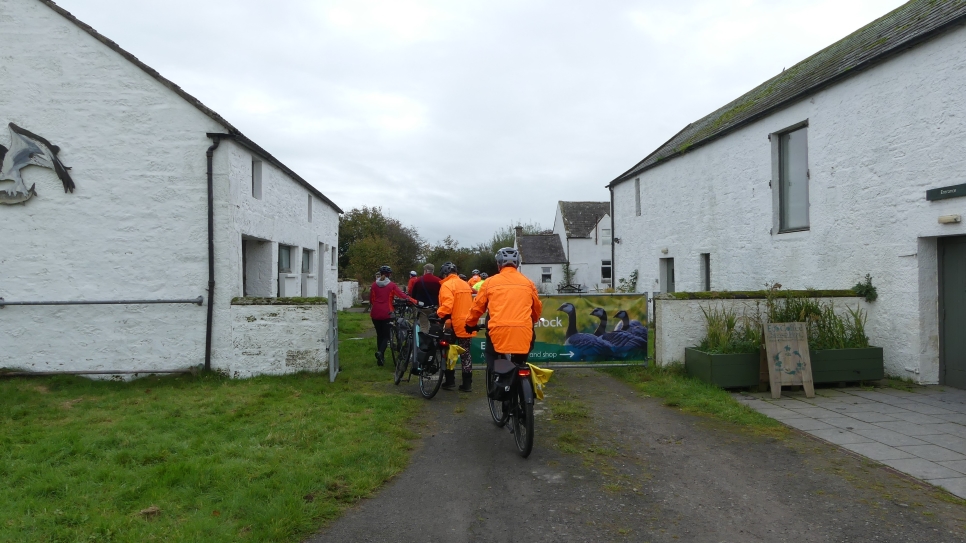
(584, 346)
(27, 149)
(632, 326)
(625, 344)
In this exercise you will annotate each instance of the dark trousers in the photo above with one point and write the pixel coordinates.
(382, 334)
(489, 354)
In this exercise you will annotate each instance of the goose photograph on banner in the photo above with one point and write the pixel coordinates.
(586, 328)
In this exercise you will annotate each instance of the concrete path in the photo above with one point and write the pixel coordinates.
(921, 432)
(610, 464)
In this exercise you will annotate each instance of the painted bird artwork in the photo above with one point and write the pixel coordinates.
(628, 325)
(27, 149)
(584, 346)
(625, 344)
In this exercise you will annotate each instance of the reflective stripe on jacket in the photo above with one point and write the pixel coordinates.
(513, 305)
(455, 299)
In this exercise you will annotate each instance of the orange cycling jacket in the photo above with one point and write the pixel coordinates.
(455, 300)
(514, 306)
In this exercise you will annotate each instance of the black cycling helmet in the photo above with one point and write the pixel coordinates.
(463, 277)
(508, 256)
(483, 275)
(385, 270)
(446, 269)
(476, 272)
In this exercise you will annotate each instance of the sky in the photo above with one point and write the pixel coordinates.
(459, 117)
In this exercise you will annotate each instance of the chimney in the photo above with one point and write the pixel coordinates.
(519, 231)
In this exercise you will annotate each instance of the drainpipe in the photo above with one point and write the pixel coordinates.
(216, 139)
(613, 243)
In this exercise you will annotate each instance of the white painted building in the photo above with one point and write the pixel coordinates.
(818, 177)
(584, 229)
(542, 259)
(136, 226)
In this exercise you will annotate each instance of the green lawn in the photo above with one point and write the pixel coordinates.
(198, 458)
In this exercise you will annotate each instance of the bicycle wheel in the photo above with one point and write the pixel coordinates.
(394, 342)
(499, 414)
(431, 376)
(522, 413)
(402, 360)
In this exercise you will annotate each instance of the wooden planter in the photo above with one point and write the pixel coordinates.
(843, 365)
(747, 370)
(723, 370)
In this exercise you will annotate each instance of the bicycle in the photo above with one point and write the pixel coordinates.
(509, 393)
(423, 353)
(399, 328)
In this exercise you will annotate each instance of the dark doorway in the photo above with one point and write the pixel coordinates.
(952, 311)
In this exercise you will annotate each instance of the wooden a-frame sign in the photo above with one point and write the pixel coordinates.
(786, 346)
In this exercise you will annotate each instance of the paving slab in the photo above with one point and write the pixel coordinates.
(878, 451)
(949, 441)
(955, 485)
(921, 468)
(919, 418)
(933, 453)
(817, 412)
(810, 425)
(778, 413)
(840, 437)
(912, 429)
(958, 465)
(873, 417)
(927, 409)
(889, 437)
(848, 423)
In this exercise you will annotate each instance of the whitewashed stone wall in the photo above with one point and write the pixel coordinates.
(136, 225)
(278, 339)
(876, 142)
(348, 294)
(534, 272)
(586, 254)
(679, 324)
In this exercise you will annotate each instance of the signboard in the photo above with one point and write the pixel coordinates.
(575, 328)
(955, 191)
(786, 347)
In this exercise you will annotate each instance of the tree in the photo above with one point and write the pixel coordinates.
(504, 237)
(401, 245)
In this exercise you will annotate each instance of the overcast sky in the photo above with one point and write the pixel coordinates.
(461, 116)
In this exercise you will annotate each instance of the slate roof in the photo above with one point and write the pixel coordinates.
(911, 24)
(580, 218)
(233, 132)
(541, 249)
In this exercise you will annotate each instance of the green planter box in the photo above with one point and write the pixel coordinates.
(838, 365)
(723, 370)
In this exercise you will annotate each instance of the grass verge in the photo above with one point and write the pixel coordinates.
(693, 396)
(198, 458)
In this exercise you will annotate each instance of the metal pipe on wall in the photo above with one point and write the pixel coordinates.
(216, 139)
(197, 301)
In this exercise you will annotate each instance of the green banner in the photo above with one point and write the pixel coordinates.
(588, 328)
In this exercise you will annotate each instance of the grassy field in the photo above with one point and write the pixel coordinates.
(198, 458)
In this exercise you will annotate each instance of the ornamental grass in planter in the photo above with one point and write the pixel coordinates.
(729, 354)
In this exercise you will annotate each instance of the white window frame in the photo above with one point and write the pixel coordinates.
(609, 266)
(778, 180)
(546, 274)
(256, 178)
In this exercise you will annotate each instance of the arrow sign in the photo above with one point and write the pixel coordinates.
(568, 354)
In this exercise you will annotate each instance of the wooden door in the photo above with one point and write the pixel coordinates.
(952, 311)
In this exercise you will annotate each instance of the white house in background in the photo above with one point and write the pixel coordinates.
(818, 177)
(136, 224)
(584, 229)
(542, 259)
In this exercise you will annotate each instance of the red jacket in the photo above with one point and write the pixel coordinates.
(426, 289)
(380, 300)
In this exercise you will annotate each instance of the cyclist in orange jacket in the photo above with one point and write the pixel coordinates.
(455, 301)
(513, 305)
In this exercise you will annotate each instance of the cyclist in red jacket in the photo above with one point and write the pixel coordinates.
(381, 296)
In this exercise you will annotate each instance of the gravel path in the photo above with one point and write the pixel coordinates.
(635, 470)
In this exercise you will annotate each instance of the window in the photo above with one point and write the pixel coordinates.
(257, 179)
(284, 259)
(306, 261)
(706, 271)
(310, 208)
(605, 236)
(605, 272)
(793, 180)
(333, 256)
(637, 196)
(546, 276)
